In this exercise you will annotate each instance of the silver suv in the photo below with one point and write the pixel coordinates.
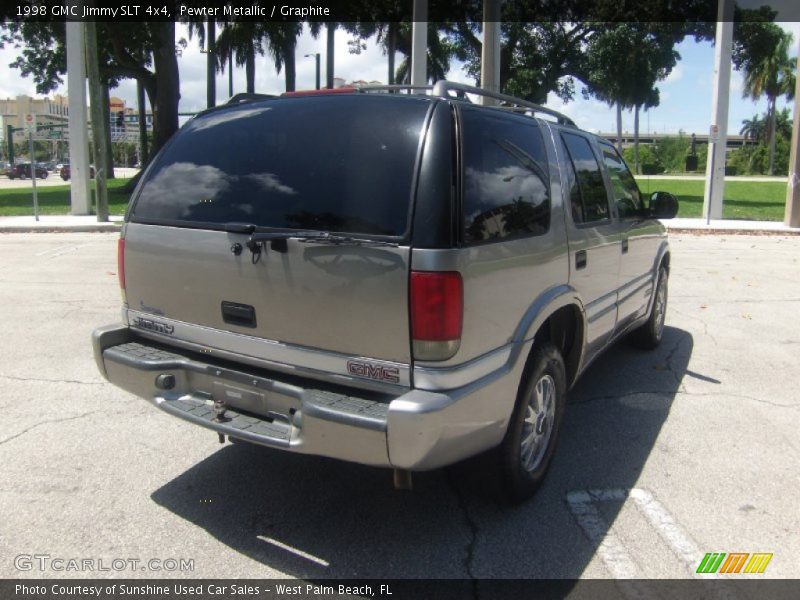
(394, 279)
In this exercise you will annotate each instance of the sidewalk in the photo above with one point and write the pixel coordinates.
(67, 223)
(733, 226)
(61, 223)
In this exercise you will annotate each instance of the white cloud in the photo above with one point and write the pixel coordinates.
(675, 75)
(794, 29)
(737, 82)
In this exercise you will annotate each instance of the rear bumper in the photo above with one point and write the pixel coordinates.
(416, 430)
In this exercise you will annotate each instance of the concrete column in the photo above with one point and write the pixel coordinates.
(490, 49)
(419, 43)
(78, 128)
(792, 218)
(715, 168)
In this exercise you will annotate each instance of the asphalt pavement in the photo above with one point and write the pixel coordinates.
(663, 457)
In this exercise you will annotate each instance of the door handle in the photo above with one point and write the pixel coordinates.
(580, 259)
(242, 315)
(624, 245)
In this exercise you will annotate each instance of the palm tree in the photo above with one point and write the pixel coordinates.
(439, 54)
(753, 129)
(242, 40)
(773, 77)
(203, 31)
(280, 41)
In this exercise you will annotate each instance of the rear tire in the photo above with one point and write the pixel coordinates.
(527, 449)
(649, 335)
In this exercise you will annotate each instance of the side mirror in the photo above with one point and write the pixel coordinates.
(663, 205)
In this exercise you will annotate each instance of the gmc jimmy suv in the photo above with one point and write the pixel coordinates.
(387, 275)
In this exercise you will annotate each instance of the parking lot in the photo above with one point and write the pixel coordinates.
(53, 178)
(663, 457)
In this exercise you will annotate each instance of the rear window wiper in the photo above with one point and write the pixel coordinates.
(277, 240)
(320, 237)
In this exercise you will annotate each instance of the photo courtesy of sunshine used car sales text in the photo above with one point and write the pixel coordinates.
(184, 590)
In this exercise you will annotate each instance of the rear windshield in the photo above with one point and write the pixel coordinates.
(338, 163)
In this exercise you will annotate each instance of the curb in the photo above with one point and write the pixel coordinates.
(723, 231)
(109, 228)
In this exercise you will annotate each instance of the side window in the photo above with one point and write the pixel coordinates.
(506, 191)
(571, 185)
(626, 192)
(594, 199)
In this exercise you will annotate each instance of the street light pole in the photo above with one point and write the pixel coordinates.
(230, 74)
(316, 58)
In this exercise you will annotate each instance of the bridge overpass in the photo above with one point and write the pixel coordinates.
(734, 141)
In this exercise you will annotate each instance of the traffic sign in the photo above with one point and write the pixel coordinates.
(713, 134)
(30, 123)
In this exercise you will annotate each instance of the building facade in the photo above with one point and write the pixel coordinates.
(123, 120)
(45, 111)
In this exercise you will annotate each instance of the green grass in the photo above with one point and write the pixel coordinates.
(748, 200)
(55, 200)
(757, 201)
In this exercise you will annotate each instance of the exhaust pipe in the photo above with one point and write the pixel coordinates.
(402, 479)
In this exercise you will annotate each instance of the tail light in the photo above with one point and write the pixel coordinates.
(437, 314)
(121, 263)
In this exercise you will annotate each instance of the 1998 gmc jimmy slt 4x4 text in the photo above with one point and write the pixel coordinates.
(395, 279)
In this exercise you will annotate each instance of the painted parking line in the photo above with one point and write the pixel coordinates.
(295, 551)
(583, 505)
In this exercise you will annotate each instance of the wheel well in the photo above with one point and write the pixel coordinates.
(665, 261)
(564, 329)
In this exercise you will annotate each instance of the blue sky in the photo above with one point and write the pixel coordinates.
(685, 98)
(685, 94)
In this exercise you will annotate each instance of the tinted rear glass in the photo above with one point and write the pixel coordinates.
(506, 191)
(335, 164)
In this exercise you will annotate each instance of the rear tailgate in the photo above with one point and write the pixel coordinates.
(343, 164)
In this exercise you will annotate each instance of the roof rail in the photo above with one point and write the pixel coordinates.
(248, 97)
(443, 89)
(319, 92)
(376, 87)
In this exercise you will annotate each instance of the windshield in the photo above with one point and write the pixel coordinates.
(335, 163)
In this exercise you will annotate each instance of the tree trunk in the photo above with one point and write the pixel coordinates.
(250, 69)
(636, 139)
(165, 107)
(772, 119)
(99, 121)
(391, 48)
(211, 64)
(289, 63)
(619, 127)
(329, 56)
(107, 118)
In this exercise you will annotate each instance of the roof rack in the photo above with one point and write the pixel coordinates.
(248, 97)
(375, 87)
(444, 89)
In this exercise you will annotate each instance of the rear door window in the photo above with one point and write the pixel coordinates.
(342, 164)
(593, 196)
(506, 191)
(623, 185)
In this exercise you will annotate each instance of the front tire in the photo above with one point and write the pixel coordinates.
(649, 335)
(530, 441)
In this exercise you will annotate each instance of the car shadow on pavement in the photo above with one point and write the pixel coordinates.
(311, 517)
